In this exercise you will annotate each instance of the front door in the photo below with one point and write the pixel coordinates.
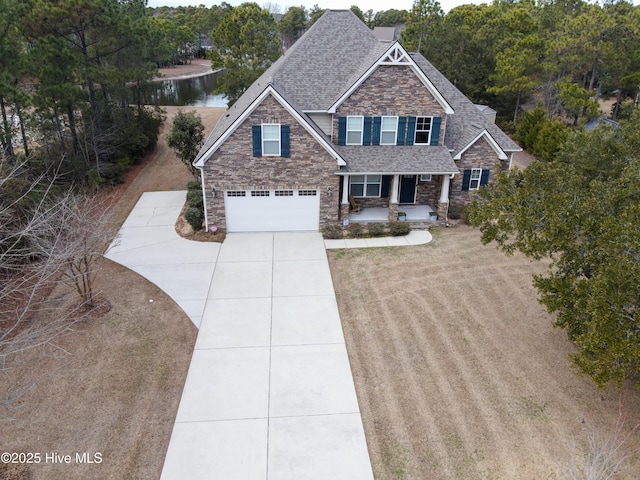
(408, 188)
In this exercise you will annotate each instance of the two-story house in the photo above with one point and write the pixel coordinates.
(344, 127)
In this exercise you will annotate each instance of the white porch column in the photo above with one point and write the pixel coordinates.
(444, 192)
(394, 189)
(345, 189)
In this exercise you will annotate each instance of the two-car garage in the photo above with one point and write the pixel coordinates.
(272, 210)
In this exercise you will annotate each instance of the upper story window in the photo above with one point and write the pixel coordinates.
(355, 127)
(271, 139)
(423, 130)
(388, 130)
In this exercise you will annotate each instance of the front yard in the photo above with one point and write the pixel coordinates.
(458, 370)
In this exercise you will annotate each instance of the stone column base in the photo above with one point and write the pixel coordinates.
(344, 211)
(393, 212)
(443, 211)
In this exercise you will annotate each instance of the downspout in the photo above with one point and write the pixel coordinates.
(204, 198)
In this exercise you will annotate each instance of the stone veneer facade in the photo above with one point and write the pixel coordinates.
(391, 91)
(479, 155)
(233, 166)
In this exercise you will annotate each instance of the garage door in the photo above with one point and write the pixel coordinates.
(272, 210)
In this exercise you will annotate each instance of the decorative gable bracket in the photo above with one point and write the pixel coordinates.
(395, 56)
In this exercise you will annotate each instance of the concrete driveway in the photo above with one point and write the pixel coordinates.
(269, 394)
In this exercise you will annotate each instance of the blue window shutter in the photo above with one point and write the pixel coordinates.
(411, 130)
(466, 178)
(484, 177)
(256, 130)
(402, 125)
(285, 147)
(366, 134)
(377, 122)
(384, 190)
(435, 130)
(342, 130)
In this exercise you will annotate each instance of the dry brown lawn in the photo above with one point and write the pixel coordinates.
(112, 384)
(458, 370)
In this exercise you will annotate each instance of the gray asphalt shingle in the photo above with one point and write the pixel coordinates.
(325, 62)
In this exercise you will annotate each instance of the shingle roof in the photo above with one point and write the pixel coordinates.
(331, 57)
(391, 159)
(467, 122)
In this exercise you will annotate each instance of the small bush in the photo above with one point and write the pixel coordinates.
(194, 199)
(399, 228)
(355, 230)
(193, 185)
(332, 232)
(195, 217)
(375, 229)
(456, 212)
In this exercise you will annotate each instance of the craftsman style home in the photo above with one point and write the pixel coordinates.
(347, 127)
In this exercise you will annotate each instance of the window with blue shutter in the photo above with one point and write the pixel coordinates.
(376, 130)
(273, 140)
(411, 130)
(435, 130)
(285, 141)
(474, 178)
(366, 134)
(402, 126)
(256, 131)
(342, 130)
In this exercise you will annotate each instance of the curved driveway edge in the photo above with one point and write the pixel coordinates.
(148, 244)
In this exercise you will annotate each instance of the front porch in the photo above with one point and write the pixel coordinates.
(414, 213)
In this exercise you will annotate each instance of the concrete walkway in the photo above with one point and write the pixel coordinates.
(269, 394)
(415, 237)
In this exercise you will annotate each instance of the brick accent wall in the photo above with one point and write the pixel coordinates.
(233, 166)
(480, 155)
(391, 90)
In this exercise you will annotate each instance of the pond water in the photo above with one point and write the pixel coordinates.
(195, 92)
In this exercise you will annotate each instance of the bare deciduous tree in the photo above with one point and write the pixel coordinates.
(45, 239)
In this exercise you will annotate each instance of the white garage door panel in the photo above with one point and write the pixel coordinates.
(272, 213)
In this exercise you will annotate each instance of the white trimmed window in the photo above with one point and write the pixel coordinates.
(388, 130)
(423, 131)
(271, 139)
(355, 127)
(474, 180)
(365, 185)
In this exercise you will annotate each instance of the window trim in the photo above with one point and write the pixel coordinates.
(365, 183)
(426, 177)
(472, 179)
(278, 139)
(415, 134)
(383, 131)
(361, 117)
